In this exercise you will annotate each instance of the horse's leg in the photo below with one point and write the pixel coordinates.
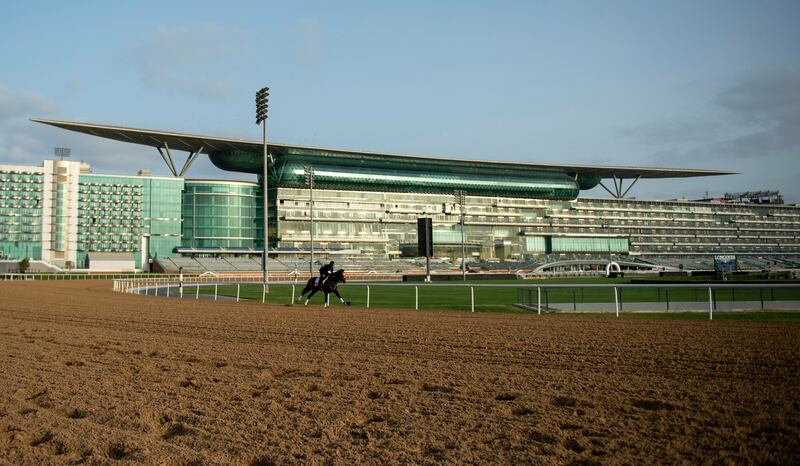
(309, 296)
(327, 300)
(340, 297)
(309, 286)
(302, 294)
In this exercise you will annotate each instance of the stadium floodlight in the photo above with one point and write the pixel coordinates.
(460, 198)
(308, 173)
(62, 152)
(262, 99)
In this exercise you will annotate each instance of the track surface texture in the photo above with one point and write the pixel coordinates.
(95, 377)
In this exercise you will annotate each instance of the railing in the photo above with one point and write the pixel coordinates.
(79, 276)
(669, 297)
(227, 277)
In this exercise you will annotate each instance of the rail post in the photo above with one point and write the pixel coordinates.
(197, 291)
(237, 292)
(367, 296)
(180, 287)
(167, 290)
(472, 298)
(616, 300)
(215, 291)
(264, 294)
(416, 298)
(539, 300)
(710, 304)
(293, 293)
(761, 296)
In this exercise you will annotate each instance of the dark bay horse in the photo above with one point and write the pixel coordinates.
(330, 286)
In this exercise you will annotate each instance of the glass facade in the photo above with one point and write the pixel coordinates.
(222, 214)
(21, 199)
(334, 170)
(129, 214)
(384, 224)
(588, 245)
(161, 211)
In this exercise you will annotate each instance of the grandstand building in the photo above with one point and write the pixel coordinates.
(366, 207)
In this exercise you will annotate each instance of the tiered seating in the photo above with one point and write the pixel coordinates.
(244, 264)
(188, 264)
(215, 264)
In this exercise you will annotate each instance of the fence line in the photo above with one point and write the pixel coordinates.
(188, 278)
(136, 286)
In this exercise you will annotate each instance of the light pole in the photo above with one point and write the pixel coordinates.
(308, 171)
(460, 196)
(62, 152)
(261, 118)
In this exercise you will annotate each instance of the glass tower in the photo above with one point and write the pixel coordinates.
(222, 214)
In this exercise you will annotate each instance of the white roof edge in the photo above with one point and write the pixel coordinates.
(581, 167)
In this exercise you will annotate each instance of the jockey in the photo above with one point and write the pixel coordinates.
(325, 272)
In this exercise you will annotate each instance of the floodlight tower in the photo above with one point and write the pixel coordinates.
(62, 152)
(308, 172)
(262, 97)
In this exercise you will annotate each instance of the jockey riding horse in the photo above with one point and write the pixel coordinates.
(328, 286)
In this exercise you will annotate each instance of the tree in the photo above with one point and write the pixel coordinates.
(24, 265)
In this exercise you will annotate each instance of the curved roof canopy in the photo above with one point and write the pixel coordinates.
(218, 147)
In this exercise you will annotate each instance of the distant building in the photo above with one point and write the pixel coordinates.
(59, 213)
(747, 197)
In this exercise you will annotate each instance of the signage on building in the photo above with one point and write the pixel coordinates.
(725, 263)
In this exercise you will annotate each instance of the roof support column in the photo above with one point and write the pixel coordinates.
(167, 158)
(190, 160)
(618, 192)
(630, 186)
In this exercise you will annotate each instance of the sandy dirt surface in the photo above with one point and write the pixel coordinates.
(94, 377)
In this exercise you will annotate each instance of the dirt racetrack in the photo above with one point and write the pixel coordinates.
(94, 377)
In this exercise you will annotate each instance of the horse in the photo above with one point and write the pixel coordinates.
(330, 286)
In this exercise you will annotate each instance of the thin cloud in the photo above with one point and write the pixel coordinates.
(762, 97)
(16, 104)
(17, 143)
(754, 131)
(758, 118)
(309, 53)
(28, 143)
(184, 59)
(682, 131)
(770, 103)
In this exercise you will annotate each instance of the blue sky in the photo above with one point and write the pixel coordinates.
(705, 84)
